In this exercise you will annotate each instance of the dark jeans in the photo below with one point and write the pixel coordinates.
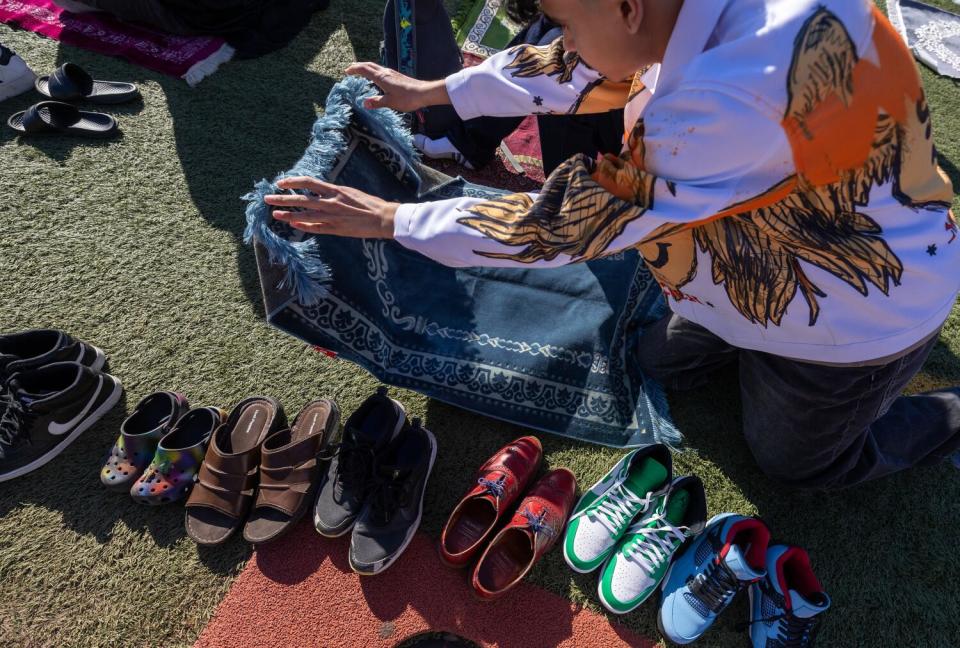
(810, 425)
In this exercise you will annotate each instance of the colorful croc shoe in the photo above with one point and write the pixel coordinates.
(178, 457)
(498, 483)
(153, 417)
(638, 565)
(635, 485)
(533, 530)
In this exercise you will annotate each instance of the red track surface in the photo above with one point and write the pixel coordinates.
(300, 591)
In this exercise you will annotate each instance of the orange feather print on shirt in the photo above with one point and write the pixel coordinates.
(852, 125)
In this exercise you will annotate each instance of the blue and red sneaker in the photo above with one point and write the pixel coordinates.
(785, 607)
(729, 555)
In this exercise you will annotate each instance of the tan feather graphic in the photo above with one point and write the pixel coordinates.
(853, 125)
(545, 60)
(552, 60)
(573, 215)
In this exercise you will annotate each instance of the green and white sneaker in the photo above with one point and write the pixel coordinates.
(601, 517)
(641, 560)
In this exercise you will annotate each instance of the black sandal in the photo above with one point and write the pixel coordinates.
(72, 83)
(50, 117)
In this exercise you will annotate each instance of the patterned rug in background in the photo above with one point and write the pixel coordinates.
(932, 33)
(485, 28)
(191, 58)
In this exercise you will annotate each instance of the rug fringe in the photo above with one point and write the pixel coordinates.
(202, 69)
(306, 275)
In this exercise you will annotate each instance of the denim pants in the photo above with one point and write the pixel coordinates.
(810, 425)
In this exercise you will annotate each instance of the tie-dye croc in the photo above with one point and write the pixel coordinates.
(153, 417)
(177, 461)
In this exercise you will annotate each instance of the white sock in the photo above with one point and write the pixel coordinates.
(440, 149)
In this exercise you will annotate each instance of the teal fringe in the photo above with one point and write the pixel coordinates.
(307, 276)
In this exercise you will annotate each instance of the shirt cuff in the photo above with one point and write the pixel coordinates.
(403, 222)
(459, 93)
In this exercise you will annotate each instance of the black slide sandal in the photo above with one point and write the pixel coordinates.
(72, 83)
(54, 117)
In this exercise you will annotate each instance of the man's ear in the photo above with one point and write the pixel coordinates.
(631, 12)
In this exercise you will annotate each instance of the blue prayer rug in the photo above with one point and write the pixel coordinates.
(548, 349)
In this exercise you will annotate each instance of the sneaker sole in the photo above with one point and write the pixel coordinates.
(82, 427)
(17, 86)
(100, 360)
(415, 525)
(335, 533)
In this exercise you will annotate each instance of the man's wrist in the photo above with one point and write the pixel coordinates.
(388, 218)
(435, 93)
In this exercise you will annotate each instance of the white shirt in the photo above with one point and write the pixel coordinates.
(779, 178)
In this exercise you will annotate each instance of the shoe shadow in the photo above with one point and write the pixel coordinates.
(444, 599)
(274, 558)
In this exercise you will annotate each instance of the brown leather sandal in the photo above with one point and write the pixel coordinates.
(290, 471)
(219, 502)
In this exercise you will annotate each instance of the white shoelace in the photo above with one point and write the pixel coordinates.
(652, 549)
(618, 508)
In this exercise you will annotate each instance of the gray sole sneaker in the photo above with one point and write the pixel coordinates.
(392, 516)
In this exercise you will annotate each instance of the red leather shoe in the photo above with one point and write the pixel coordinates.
(534, 529)
(499, 482)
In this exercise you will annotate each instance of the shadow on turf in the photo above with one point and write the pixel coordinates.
(71, 485)
(56, 146)
(241, 124)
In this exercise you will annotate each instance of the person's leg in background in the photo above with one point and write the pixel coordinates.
(146, 12)
(682, 355)
(563, 136)
(75, 7)
(823, 427)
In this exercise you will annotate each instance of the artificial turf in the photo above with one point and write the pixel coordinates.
(135, 246)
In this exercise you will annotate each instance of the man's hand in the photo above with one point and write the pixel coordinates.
(340, 211)
(400, 92)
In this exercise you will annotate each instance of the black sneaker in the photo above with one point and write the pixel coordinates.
(32, 349)
(343, 487)
(395, 503)
(45, 409)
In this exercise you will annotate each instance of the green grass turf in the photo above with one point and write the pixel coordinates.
(134, 245)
